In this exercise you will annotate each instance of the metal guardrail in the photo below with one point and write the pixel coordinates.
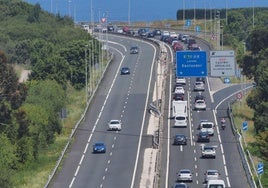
(243, 153)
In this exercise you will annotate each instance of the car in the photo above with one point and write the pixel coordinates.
(125, 70)
(180, 139)
(179, 90)
(173, 34)
(208, 151)
(207, 126)
(180, 185)
(150, 34)
(201, 79)
(184, 175)
(199, 86)
(99, 147)
(200, 105)
(178, 97)
(181, 80)
(115, 125)
(211, 175)
(199, 97)
(134, 50)
(157, 32)
(165, 33)
(203, 136)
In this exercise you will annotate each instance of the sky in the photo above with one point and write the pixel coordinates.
(136, 10)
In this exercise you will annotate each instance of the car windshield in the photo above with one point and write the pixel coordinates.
(207, 125)
(185, 172)
(209, 148)
(212, 173)
(99, 144)
(114, 122)
(180, 118)
(215, 186)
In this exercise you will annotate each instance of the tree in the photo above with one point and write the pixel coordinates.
(8, 161)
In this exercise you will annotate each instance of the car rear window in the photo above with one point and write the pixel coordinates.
(180, 118)
(207, 125)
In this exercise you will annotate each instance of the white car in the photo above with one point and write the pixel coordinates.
(200, 105)
(208, 151)
(199, 86)
(179, 90)
(115, 125)
(184, 175)
(207, 126)
(165, 33)
(173, 34)
(181, 80)
(211, 175)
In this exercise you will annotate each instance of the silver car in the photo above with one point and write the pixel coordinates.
(211, 175)
(199, 86)
(185, 175)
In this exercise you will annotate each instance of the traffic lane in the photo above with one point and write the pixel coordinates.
(181, 157)
(236, 172)
(114, 102)
(73, 156)
(134, 126)
(205, 164)
(230, 91)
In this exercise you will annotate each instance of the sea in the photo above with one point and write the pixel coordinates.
(136, 10)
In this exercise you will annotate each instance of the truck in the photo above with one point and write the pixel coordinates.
(180, 113)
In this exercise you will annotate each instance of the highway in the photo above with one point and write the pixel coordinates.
(123, 97)
(227, 161)
(126, 97)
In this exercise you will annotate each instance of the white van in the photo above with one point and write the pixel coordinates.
(180, 113)
(215, 184)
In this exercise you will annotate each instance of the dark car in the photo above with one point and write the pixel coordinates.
(157, 32)
(99, 147)
(134, 50)
(203, 136)
(199, 97)
(150, 34)
(110, 28)
(180, 139)
(125, 70)
(178, 97)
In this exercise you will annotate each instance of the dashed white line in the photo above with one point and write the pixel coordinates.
(81, 160)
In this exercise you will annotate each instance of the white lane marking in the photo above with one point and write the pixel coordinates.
(77, 170)
(71, 184)
(181, 148)
(81, 160)
(85, 150)
(190, 120)
(143, 119)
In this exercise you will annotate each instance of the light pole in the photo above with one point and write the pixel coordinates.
(221, 37)
(226, 14)
(128, 12)
(183, 14)
(91, 16)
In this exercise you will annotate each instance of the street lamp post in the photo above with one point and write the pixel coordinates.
(128, 12)
(221, 37)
